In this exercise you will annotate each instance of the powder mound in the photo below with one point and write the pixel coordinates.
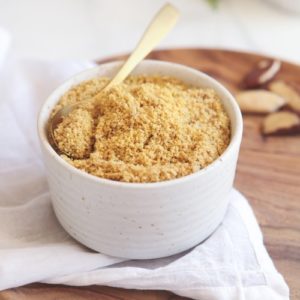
(147, 129)
(74, 135)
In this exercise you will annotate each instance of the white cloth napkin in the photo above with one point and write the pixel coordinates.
(231, 264)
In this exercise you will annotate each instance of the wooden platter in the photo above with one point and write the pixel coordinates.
(268, 175)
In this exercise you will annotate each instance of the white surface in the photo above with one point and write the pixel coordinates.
(289, 5)
(91, 29)
(140, 221)
(231, 264)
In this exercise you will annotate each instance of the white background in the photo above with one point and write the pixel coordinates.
(88, 29)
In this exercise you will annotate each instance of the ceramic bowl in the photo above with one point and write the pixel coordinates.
(141, 220)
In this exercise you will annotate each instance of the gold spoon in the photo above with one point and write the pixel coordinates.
(161, 24)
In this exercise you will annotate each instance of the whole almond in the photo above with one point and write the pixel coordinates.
(259, 101)
(262, 73)
(281, 123)
(289, 91)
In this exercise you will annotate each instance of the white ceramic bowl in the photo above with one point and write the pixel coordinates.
(141, 220)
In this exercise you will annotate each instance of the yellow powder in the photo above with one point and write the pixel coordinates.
(74, 135)
(147, 129)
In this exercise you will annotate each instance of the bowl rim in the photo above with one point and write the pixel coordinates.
(234, 141)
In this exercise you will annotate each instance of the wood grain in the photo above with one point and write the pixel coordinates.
(268, 175)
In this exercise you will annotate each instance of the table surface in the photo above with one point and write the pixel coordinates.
(268, 174)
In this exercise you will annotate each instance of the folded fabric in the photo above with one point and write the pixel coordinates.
(231, 264)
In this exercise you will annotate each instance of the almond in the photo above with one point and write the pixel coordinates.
(289, 91)
(261, 74)
(281, 123)
(259, 101)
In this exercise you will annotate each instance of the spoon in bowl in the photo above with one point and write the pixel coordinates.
(161, 24)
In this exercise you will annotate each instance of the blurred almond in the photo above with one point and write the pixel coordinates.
(259, 101)
(281, 123)
(289, 91)
(262, 73)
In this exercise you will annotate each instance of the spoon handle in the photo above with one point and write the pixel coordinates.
(161, 24)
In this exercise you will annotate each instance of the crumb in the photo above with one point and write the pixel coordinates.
(147, 129)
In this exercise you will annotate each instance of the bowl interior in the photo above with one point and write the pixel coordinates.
(147, 67)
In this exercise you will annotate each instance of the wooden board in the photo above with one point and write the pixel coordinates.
(268, 175)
